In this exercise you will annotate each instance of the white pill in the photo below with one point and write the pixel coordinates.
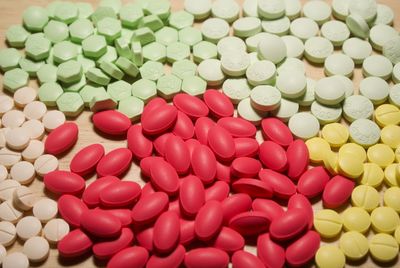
(364, 132)
(34, 149)
(357, 26)
(247, 112)
(380, 34)
(308, 98)
(17, 138)
(199, 9)
(7, 187)
(265, 98)
(326, 114)
(396, 73)
(34, 128)
(235, 63)
(45, 209)
(294, 46)
(357, 107)
(317, 49)
(279, 26)
(6, 104)
(214, 29)
(292, 9)
(231, 44)
(357, 49)
(347, 83)
(53, 119)
(272, 48)
(8, 212)
(286, 110)
(236, 89)
(261, 73)
(24, 95)
(45, 164)
(329, 91)
(367, 9)
(23, 172)
(304, 125)
(319, 11)
(304, 28)
(391, 50)
(339, 64)
(24, 198)
(210, 70)
(384, 15)
(36, 249)
(291, 85)
(3, 132)
(377, 65)
(225, 9)
(340, 9)
(35, 110)
(8, 233)
(253, 41)
(55, 230)
(246, 27)
(394, 95)
(292, 65)
(3, 253)
(9, 158)
(3, 173)
(250, 8)
(335, 31)
(13, 119)
(28, 227)
(16, 260)
(374, 88)
(271, 9)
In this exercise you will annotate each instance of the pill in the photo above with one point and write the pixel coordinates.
(383, 247)
(238, 127)
(71, 209)
(133, 256)
(23, 172)
(16, 259)
(45, 163)
(330, 256)
(246, 147)
(356, 219)
(317, 147)
(200, 256)
(276, 131)
(234, 205)
(36, 249)
(184, 127)
(24, 198)
(300, 201)
(355, 150)
(328, 223)
(6, 104)
(7, 188)
(229, 240)
(250, 223)
(106, 249)
(204, 163)
(191, 203)
(45, 209)
(390, 198)
(149, 207)
(389, 136)
(273, 156)
(35, 110)
(28, 227)
(245, 167)
(177, 154)
(349, 166)
(123, 193)
(241, 259)
(24, 96)
(166, 232)
(298, 158)
(265, 247)
(8, 233)
(365, 197)
(85, 161)
(64, 182)
(114, 163)
(34, 128)
(33, 151)
(390, 175)
(312, 182)
(13, 119)
(17, 138)
(281, 186)
(61, 139)
(111, 122)
(373, 175)
(354, 245)
(211, 211)
(3, 173)
(55, 230)
(384, 219)
(75, 243)
(303, 250)
(52, 120)
(288, 225)
(304, 125)
(8, 212)
(253, 188)
(139, 145)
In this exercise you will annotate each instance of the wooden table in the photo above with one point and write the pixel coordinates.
(11, 13)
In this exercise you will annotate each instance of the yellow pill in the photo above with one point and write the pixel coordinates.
(383, 247)
(355, 150)
(397, 153)
(380, 154)
(373, 175)
(356, 219)
(331, 162)
(354, 245)
(328, 223)
(350, 166)
(330, 257)
(317, 149)
(365, 197)
(391, 198)
(335, 134)
(391, 178)
(390, 135)
(387, 114)
(397, 234)
(384, 220)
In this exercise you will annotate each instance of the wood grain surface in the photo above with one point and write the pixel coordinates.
(11, 13)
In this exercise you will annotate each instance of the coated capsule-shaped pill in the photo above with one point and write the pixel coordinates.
(246, 147)
(61, 139)
(120, 194)
(206, 257)
(152, 105)
(149, 207)
(238, 127)
(164, 177)
(253, 187)
(191, 195)
(183, 127)
(228, 240)
(223, 172)
(272, 209)
(269, 252)
(159, 120)
(202, 128)
(275, 130)
(144, 237)
(111, 122)
(123, 214)
(204, 164)
(218, 191)
(160, 142)
(191, 105)
(191, 145)
(273, 156)
(74, 244)
(101, 224)
(288, 225)
(130, 257)
(166, 232)
(208, 221)
(218, 103)
(312, 183)
(337, 191)
(115, 163)
(91, 196)
(177, 154)
(187, 234)
(280, 184)
(298, 159)
(235, 204)
(85, 161)
(105, 250)
(300, 201)
(64, 182)
(221, 142)
(244, 259)
(250, 223)
(303, 249)
(139, 145)
(173, 260)
(71, 209)
(245, 167)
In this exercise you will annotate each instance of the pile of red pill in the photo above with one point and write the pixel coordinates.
(211, 188)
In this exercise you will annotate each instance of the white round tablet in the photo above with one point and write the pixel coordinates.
(271, 9)
(364, 132)
(55, 230)
(225, 9)
(339, 64)
(394, 95)
(231, 44)
(308, 98)
(396, 73)
(326, 114)
(317, 49)
(357, 49)
(340, 9)
(28, 227)
(286, 110)
(319, 11)
(199, 9)
(367, 9)
(17, 138)
(384, 15)
(24, 95)
(34, 128)
(294, 46)
(304, 125)
(16, 260)
(250, 8)
(35, 110)
(214, 29)
(335, 31)
(34, 149)
(53, 119)
(292, 9)
(236, 89)
(23, 172)
(377, 65)
(391, 50)
(235, 63)
(292, 65)
(347, 83)
(380, 34)
(13, 119)
(304, 28)
(246, 111)
(357, 26)
(279, 26)
(374, 88)
(261, 73)
(36, 249)
(24, 198)
(357, 107)
(210, 70)
(291, 85)
(3, 173)
(272, 48)
(265, 98)
(329, 91)
(45, 209)
(252, 41)
(8, 233)
(246, 27)
(8, 212)
(6, 104)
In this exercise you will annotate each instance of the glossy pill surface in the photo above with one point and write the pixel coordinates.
(114, 163)
(100, 223)
(74, 244)
(111, 122)
(64, 182)
(61, 139)
(85, 161)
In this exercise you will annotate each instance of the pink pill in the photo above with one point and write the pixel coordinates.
(61, 139)
(273, 156)
(190, 105)
(153, 104)
(288, 225)
(250, 223)
(149, 207)
(71, 209)
(146, 163)
(177, 154)
(173, 260)
(120, 194)
(234, 205)
(238, 127)
(204, 164)
(245, 167)
(269, 252)
(337, 191)
(147, 189)
(85, 161)
(159, 120)
(187, 234)
(243, 259)
(208, 221)
(139, 145)
(206, 257)
(275, 130)
(129, 257)
(174, 206)
(280, 184)
(101, 224)
(105, 250)
(191, 195)
(272, 209)
(300, 201)
(111, 122)
(253, 187)
(145, 237)
(92, 192)
(64, 182)
(201, 129)
(76, 243)
(184, 127)
(218, 191)
(114, 163)
(164, 177)
(221, 142)
(218, 103)
(191, 145)
(246, 147)
(303, 250)
(124, 215)
(160, 142)
(228, 240)
(312, 183)
(223, 172)
(166, 232)
(298, 159)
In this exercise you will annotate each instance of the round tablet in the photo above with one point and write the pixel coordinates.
(3, 253)
(45, 164)
(294, 46)
(23, 172)
(8, 233)
(394, 95)
(231, 44)
(356, 219)
(317, 49)
(236, 89)
(367, 9)
(317, 148)
(214, 29)
(340, 9)
(391, 198)
(261, 72)
(271, 9)
(235, 63)
(34, 149)
(318, 11)
(36, 249)
(45, 209)
(272, 48)
(339, 64)
(390, 175)
(377, 65)
(365, 197)
(304, 125)
(246, 27)
(372, 176)
(250, 8)
(335, 31)
(3, 173)
(380, 34)
(8, 158)
(355, 150)
(396, 73)
(279, 26)
(391, 50)
(387, 114)
(253, 41)
(286, 110)
(335, 134)
(354, 245)
(34, 128)
(357, 49)
(8, 212)
(390, 135)
(265, 98)
(16, 260)
(381, 154)
(28, 227)
(291, 85)
(53, 119)
(384, 15)
(357, 107)
(326, 114)
(6, 104)
(304, 28)
(308, 98)
(348, 84)
(329, 91)
(24, 198)
(328, 223)
(384, 220)
(24, 95)
(246, 111)
(374, 88)
(210, 70)
(292, 65)
(13, 119)
(383, 247)
(35, 110)
(55, 230)
(199, 9)
(293, 9)
(364, 132)
(225, 9)
(330, 256)
(17, 138)
(357, 26)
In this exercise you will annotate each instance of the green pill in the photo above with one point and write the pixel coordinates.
(97, 76)
(127, 66)
(144, 89)
(56, 31)
(119, 90)
(168, 86)
(49, 93)
(132, 107)
(16, 36)
(88, 92)
(70, 103)
(15, 79)
(9, 59)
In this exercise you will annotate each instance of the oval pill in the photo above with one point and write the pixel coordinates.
(111, 122)
(120, 194)
(100, 223)
(64, 182)
(209, 220)
(71, 209)
(303, 250)
(114, 163)
(74, 244)
(85, 161)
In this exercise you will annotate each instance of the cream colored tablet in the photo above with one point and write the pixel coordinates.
(16, 260)
(24, 95)
(7, 187)
(3, 253)
(9, 158)
(33, 151)
(8, 233)
(3, 132)
(17, 139)
(45, 164)
(35, 110)
(24, 198)
(246, 111)
(28, 227)
(53, 119)
(34, 128)
(3, 173)
(23, 172)
(8, 212)
(45, 209)
(55, 230)
(6, 104)
(36, 249)
(13, 119)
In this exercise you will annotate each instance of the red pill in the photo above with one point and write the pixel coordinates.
(153, 104)
(234, 205)
(120, 194)
(85, 161)
(250, 223)
(175, 206)
(288, 225)
(300, 201)
(243, 259)
(114, 163)
(129, 257)
(164, 177)
(101, 223)
(64, 182)
(166, 232)
(161, 141)
(147, 189)
(221, 142)
(124, 215)
(149, 207)
(280, 184)
(187, 234)
(91, 194)
(218, 103)
(269, 207)
(61, 139)
(184, 127)
(173, 260)
(191, 145)
(253, 187)
(218, 191)
(74, 244)
(177, 154)
(201, 129)
(275, 130)
(303, 250)
(312, 182)
(208, 221)
(245, 167)
(204, 164)
(159, 120)
(246, 147)
(139, 145)
(105, 250)
(298, 159)
(273, 156)
(145, 237)
(191, 195)
(228, 240)
(337, 191)
(206, 257)
(269, 252)
(190, 105)
(223, 172)
(111, 122)
(238, 127)
(71, 209)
